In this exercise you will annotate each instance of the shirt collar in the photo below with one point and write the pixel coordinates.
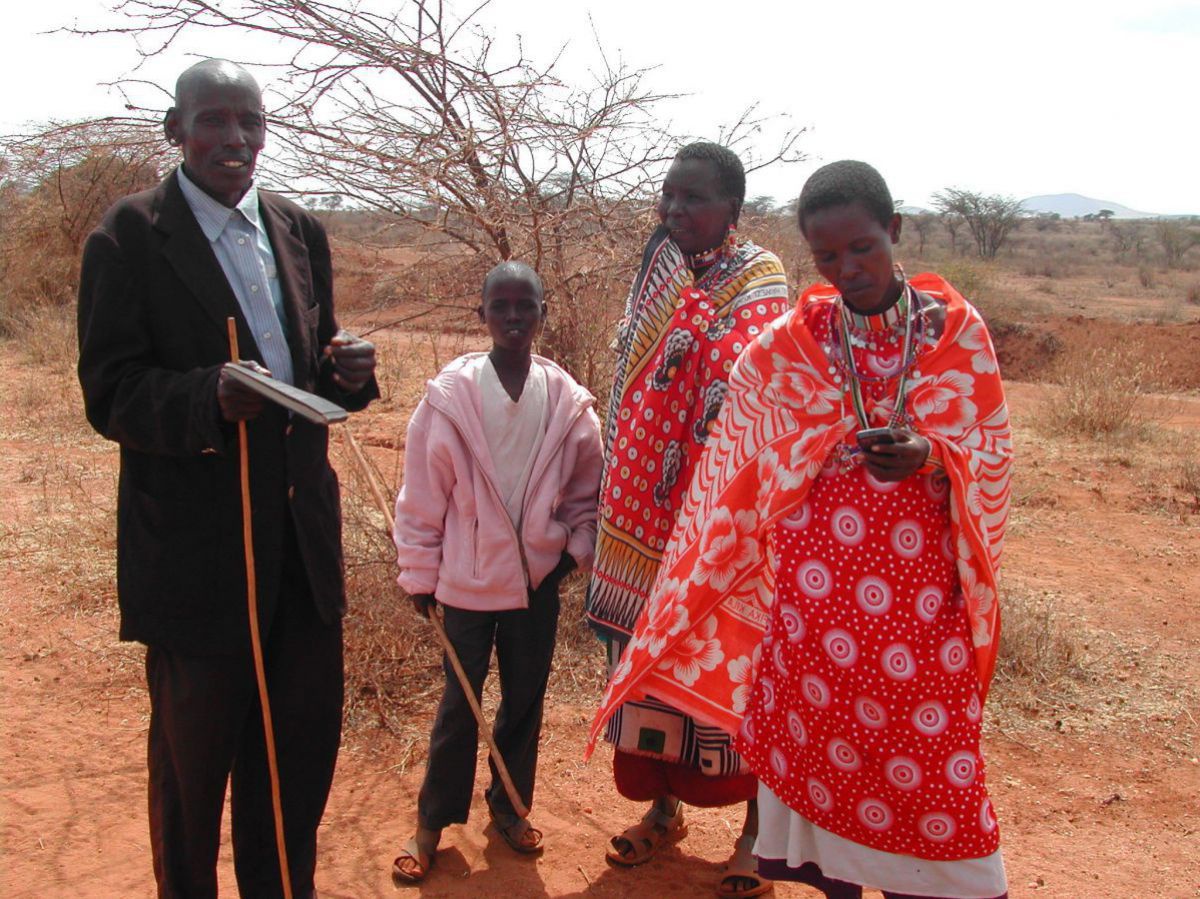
(213, 216)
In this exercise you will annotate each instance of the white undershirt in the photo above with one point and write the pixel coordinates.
(514, 432)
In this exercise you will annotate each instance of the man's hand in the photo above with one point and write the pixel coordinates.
(423, 603)
(896, 460)
(353, 361)
(237, 401)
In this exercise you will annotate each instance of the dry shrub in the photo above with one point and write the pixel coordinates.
(1039, 656)
(46, 336)
(1102, 391)
(1187, 481)
(971, 279)
(69, 542)
(1169, 475)
(579, 673)
(1192, 296)
(54, 188)
(392, 661)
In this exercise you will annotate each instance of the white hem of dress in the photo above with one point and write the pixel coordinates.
(784, 834)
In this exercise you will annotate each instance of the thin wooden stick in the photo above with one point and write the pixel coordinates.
(510, 788)
(255, 639)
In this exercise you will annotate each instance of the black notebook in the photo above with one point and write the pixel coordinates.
(315, 408)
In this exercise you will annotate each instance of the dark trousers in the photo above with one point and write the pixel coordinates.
(524, 641)
(206, 725)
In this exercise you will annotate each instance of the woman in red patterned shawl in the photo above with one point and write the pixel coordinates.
(701, 297)
(829, 592)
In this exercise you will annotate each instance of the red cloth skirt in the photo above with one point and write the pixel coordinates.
(644, 779)
(865, 714)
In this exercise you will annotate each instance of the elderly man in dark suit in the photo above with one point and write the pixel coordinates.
(160, 276)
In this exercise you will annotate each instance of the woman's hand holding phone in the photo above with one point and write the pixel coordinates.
(892, 454)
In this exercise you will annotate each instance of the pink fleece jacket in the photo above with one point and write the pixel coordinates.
(453, 537)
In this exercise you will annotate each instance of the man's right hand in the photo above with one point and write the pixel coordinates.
(423, 603)
(237, 401)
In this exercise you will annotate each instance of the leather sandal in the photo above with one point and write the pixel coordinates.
(520, 835)
(412, 865)
(644, 839)
(742, 869)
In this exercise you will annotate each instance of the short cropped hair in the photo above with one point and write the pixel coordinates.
(731, 175)
(514, 269)
(845, 182)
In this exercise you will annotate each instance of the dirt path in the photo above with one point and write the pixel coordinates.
(1096, 794)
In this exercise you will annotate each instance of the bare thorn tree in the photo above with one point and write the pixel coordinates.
(989, 217)
(410, 113)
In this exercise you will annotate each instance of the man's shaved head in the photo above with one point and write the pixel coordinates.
(210, 73)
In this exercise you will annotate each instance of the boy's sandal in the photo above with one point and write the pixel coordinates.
(412, 865)
(638, 844)
(520, 835)
(741, 879)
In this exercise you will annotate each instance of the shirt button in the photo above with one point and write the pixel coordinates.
(241, 241)
(292, 492)
(254, 288)
(266, 335)
(288, 430)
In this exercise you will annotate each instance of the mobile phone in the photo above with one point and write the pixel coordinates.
(869, 437)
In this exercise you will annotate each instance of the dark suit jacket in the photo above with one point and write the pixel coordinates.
(153, 303)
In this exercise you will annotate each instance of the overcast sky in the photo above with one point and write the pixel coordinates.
(1022, 97)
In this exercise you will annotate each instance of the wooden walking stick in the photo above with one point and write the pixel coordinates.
(255, 639)
(368, 474)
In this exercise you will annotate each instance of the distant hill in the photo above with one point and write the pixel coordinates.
(1075, 206)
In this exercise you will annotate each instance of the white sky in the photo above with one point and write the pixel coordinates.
(1019, 97)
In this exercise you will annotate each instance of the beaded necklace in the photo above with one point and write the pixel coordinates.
(906, 308)
(707, 258)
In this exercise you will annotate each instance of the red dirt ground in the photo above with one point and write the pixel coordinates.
(1096, 793)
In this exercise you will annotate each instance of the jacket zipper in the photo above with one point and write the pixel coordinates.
(525, 496)
(475, 547)
(496, 492)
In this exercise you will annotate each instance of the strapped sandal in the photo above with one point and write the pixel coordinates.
(412, 865)
(520, 835)
(644, 839)
(742, 869)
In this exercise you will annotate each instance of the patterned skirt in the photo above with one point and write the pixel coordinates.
(865, 714)
(656, 730)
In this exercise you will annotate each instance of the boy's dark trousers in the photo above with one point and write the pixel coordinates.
(524, 640)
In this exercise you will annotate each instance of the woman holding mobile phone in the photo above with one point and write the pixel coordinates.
(830, 591)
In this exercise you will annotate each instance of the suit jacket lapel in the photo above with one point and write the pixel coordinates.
(295, 277)
(191, 256)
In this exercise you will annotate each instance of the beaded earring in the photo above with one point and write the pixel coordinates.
(731, 241)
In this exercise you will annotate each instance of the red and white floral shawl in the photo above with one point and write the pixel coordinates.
(782, 418)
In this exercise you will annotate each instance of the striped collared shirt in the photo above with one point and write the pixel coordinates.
(241, 245)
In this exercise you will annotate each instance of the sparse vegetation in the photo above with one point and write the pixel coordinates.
(54, 187)
(1040, 657)
(990, 218)
(1176, 239)
(1102, 391)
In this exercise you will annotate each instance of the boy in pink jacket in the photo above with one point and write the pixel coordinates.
(501, 477)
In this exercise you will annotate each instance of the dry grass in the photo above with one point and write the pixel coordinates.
(1056, 675)
(1038, 652)
(1102, 392)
